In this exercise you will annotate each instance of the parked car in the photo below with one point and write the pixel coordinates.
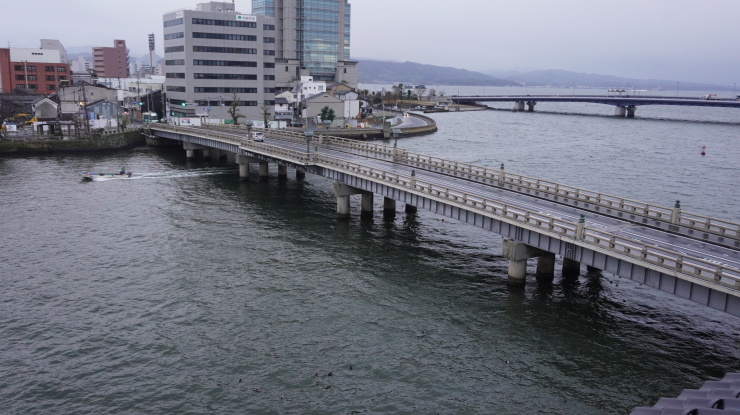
(258, 136)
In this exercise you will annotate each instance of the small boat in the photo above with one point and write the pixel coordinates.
(89, 175)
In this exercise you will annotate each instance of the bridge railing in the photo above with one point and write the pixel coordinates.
(651, 256)
(699, 223)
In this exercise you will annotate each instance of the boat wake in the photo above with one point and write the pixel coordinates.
(173, 174)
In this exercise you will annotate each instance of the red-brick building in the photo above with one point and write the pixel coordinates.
(32, 70)
(111, 62)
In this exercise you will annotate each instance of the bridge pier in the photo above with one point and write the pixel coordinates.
(571, 268)
(300, 174)
(546, 267)
(343, 192)
(411, 209)
(190, 149)
(389, 206)
(530, 105)
(619, 111)
(243, 162)
(631, 111)
(282, 172)
(518, 106)
(230, 157)
(366, 208)
(518, 253)
(263, 170)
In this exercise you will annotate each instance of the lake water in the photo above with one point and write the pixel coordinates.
(184, 290)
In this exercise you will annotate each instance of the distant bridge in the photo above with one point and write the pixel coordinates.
(625, 104)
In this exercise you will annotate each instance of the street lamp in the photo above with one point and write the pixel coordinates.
(249, 129)
(309, 135)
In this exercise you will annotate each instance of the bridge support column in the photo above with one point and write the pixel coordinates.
(546, 267)
(282, 172)
(300, 174)
(389, 206)
(366, 208)
(518, 253)
(243, 162)
(530, 105)
(631, 111)
(230, 157)
(411, 209)
(571, 268)
(343, 192)
(190, 149)
(263, 170)
(206, 153)
(519, 106)
(619, 111)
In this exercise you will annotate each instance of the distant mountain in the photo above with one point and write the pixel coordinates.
(387, 72)
(567, 79)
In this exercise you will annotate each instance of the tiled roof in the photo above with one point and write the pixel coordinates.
(715, 397)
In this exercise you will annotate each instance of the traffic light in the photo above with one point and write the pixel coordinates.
(141, 103)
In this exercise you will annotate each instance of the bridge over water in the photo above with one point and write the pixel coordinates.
(625, 105)
(692, 256)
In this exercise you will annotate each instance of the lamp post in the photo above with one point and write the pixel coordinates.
(327, 123)
(309, 135)
(396, 133)
(677, 85)
(249, 129)
(305, 116)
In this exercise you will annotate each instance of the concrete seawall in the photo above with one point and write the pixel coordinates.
(108, 142)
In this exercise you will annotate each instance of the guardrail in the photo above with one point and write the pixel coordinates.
(702, 271)
(653, 257)
(484, 175)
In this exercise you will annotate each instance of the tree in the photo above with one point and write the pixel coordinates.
(266, 115)
(327, 114)
(420, 91)
(234, 111)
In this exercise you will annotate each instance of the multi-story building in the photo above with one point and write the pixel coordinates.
(215, 56)
(111, 62)
(32, 70)
(312, 39)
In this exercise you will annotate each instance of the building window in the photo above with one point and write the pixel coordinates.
(177, 35)
(269, 102)
(176, 88)
(174, 75)
(18, 67)
(269, 52)
(50, 78)
(61, 69)
(286, 69)
(269, 77)
(31, 77)
(20, 77)
(173, 62)
(268, 27)
(232, 23)
(216, 49)
(31, 86)
(173, 22)
(62, 78)
(31, 68)
(268, 39)
(245, 64)
(225, 90)
(229, 76)
(174, 49)
(269, 90)
(269, 65)
(51, 87)
(49, 69)
(223, 36)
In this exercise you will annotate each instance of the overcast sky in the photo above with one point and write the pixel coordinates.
(681, 40)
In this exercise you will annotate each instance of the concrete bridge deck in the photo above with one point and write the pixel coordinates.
(692, 256)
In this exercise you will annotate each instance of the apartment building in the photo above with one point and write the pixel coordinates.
(111, 62)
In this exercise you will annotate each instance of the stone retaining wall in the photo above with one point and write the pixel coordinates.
(96, 143)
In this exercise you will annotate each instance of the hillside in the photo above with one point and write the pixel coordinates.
(385, 72)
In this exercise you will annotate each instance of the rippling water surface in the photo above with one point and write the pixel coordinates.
(183, 290)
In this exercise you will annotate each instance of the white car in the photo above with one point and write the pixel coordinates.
(258, 136)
